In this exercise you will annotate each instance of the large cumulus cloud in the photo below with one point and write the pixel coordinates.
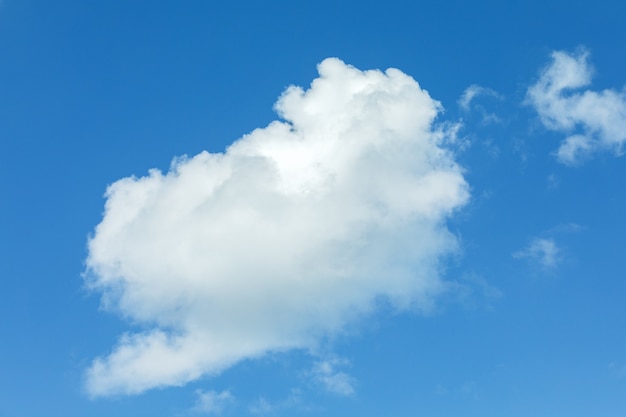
(296, 230)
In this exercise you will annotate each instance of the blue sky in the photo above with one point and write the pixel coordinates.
(449, 244)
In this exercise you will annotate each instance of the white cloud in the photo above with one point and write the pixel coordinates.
(593, 120)
(543, 250)
(263, 406)
(470, 94)
(567, 228)
(474, 91)
(326, 374)
(212, 402)
(292, 233)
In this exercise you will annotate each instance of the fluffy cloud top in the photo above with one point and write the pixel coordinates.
(297, 229)
(594, 120)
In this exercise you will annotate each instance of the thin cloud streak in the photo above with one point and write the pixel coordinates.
(474, 91)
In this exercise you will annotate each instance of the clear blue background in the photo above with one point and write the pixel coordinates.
(92, 91)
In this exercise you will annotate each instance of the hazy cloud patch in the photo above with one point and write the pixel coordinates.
(212, 402)
(326, 373)
(473, 291)
(542, 250)
(263, 406)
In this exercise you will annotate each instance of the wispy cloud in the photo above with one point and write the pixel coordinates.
(263, 406)
(337, 382)
(212, 402)
(473, 289)
(474, 91)
(471, 93)
(593, 120)
(542, 250)
(283, 239)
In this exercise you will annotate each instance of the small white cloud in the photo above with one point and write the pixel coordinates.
(574, 150)
(474, 91)
(212, 402)
(593, 120)
(292, 233)
(262, 406)
(326, 374)
(544, 251)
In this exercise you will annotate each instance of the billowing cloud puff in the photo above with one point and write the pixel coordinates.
(593, 120)
(297, 229)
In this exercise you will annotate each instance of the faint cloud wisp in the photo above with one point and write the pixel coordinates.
(326, 374)
(542, 250)
(470, 94)
(212, 402)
